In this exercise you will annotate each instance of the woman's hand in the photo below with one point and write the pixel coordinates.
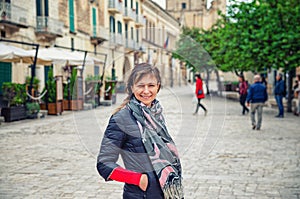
(143, 182)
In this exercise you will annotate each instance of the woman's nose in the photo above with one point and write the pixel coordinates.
(146, 88)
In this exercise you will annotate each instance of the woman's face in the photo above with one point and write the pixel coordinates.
(146, 89)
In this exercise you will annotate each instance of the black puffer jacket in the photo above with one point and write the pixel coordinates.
(122, 136)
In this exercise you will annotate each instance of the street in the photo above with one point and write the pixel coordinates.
(222, 157)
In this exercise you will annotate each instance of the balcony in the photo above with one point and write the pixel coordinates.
(12, 16)
(140, 21)
(116, 39)
(130, 44)
(48, 28)
(114, 6)
(129, 14)
(99, 35)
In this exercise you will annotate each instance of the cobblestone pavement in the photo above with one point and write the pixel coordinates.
(222, 157)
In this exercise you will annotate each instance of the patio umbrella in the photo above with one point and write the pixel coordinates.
(9, 53)
(63, 57)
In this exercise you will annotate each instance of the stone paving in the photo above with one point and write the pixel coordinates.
(222, 157)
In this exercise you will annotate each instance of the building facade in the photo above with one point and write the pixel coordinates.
(121, 33)
(196, 13)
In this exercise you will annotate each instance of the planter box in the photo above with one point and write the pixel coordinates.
(73, 105)
(14, 113)
(53, 108)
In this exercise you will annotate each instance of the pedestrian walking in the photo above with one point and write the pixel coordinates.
(137, 131)
(257, 96)
(279, 92)
(243, 87)
(199, 94)
(297, 95)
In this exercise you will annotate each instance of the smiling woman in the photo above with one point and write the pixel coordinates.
(138, 132)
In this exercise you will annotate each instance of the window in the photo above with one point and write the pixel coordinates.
(71, 15)
(5, 73)
(132, 33)
(94, 18)
(96, 70)
(112, 28)
(146, 31)
(126, 31)
(72, 44)
(119, 27)
(137, 8)
(183, 6)
(137, 35)
(153, 32)
(131, 4)
(42, 8)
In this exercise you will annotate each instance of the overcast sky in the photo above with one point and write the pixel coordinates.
(162, 3)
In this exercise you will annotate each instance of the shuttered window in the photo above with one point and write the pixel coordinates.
(5, 73)
(112, 24)
(94, 13)
(71, 15)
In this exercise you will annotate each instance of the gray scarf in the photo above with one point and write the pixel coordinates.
(159, 147)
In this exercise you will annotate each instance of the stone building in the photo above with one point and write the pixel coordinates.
(120, 33)
(196, 13)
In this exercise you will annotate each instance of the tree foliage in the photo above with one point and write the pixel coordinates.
(253, 36)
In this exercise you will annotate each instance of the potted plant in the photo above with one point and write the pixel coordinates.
(71, 101)
(53, 106)
(15, 94)
(35, 82)
(93, 86)
(32, 110)
(110, 90)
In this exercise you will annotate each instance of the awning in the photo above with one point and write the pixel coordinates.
(63, 57)
(9, 53)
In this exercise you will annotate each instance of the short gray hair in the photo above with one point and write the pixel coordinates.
(257, 78)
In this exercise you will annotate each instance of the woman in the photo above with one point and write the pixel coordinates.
(137, 132)
(243, 87)
(199, 94)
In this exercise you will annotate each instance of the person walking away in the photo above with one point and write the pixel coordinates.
(297, 95)
(137, 132)
(257, 96)
(199, 94)
(279, 91)
(243, 87)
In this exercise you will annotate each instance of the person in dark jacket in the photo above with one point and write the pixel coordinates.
(279, 91)
(257, 96)
(199, 94)
(137, 132)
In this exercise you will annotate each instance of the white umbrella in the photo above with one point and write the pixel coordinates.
(59, 56)
(9, 53)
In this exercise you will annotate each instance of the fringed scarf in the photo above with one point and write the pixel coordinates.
(159, 147)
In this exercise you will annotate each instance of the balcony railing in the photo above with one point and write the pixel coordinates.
(115, 6)
(116, 39)
(140, 20)
(100, 32)
(13, 14)
(49, 25)
(129, 13)
(130, 43)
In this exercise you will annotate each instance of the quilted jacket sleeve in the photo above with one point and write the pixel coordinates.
(111, 146)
